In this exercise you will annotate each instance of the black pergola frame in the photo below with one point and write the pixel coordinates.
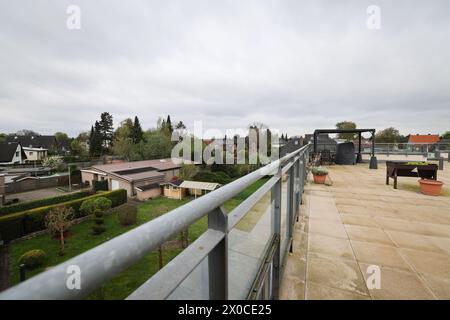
(373, 159)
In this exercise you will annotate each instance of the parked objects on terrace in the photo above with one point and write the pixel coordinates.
(430, 187)
(319, 174)
(423, 170)
(373, 159)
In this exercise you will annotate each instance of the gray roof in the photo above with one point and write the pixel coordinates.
(46, 142)
(7, 151)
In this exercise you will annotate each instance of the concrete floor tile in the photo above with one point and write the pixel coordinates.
(381, 255)
(360, 233)
(398, 284)
(413, 241)
(436, 264)
(331, 229)
(439, 286)
(325, 245)
(335, 273)
(359, 220)
(292, 288)
(316, 291)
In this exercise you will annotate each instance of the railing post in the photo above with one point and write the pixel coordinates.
(218, 257)
(297, 185)
(291, 192)
(276, 229)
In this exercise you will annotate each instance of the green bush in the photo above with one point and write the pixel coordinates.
(87, 207)
(101, 185)
(33, 259)
(43, 202)
(102, 204)
(18, 224)
(218, 177)
(127, 215)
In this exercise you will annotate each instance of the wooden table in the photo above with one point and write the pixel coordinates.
(396, 169)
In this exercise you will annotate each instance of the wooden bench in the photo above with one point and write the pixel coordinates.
(396, 169)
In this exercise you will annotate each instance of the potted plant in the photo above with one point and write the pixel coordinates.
(430, 187)
(319, 174)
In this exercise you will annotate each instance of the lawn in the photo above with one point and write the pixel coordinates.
(82, 240)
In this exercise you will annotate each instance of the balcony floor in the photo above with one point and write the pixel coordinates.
(359, 221)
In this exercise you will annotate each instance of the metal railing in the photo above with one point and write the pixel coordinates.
(239, 256)
(425, 149)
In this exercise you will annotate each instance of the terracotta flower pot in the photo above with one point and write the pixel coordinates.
(319, 179)
(430, 187)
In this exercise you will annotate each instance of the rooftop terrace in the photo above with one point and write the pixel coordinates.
(360, 221)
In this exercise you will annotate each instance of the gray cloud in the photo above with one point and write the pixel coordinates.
(294, 65)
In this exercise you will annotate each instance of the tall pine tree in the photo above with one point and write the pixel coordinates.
(137, 133)
(106, 130)
(95, 140)
(169, 124)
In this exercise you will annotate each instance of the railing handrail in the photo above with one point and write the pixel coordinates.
(103, 262)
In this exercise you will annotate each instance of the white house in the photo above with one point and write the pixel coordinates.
(35, 154)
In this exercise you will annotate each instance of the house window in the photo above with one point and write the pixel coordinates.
(17, 153)
(31, 153)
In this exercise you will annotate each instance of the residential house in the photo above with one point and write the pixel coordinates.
(35, 154)
(178, 189)
(40, 142)
(12, 153)
(135, 177)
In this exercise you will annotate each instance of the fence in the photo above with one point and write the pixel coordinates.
(240, 256)
(35, 183)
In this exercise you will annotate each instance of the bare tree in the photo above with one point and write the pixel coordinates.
(58, 221)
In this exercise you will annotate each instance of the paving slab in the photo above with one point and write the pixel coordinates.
(360, 221)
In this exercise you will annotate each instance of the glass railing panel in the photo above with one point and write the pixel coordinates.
(195, 286)
(247, 245)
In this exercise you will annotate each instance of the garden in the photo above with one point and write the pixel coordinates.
(67, 240)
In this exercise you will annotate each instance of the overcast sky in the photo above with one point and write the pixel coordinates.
(293, 65)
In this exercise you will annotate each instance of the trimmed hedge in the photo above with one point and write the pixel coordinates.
(19, 224)
(19, 207)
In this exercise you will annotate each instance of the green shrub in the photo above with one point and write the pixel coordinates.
(101, 185)
(43, 202)
(218, 177)
(33, 259)
(87, 207)
(18, 224)
(102, 204)
(98, 229)
(127, 215)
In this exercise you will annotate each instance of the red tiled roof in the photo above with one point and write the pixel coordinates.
(424, 138)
